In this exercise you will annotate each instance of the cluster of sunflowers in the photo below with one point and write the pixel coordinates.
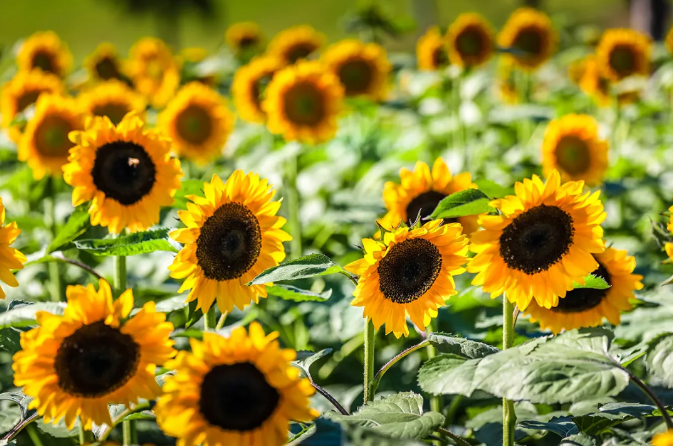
(125, 132)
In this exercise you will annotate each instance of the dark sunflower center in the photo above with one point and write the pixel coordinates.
(304, 104)
(248, 41)
(439, 57)
(424, 203)
(123, 171)
(537, 239)
(51, 136)
(300, 51)
(237, 397)
(623, 60)
(194, 124)
(470, 42)
(230, 242)
(409, 270)
(26, 99)
(356, 76)
(572, 154)
(106, 68)
(96, 360)
(44, 61)
(584, 299)
(114, 111)
(529, 41)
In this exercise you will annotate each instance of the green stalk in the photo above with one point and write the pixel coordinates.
(55, 276)
(508, 415)
(130, 435)
(370, 334)
(209, 321)
(35, 435)
(293, 209)
(220, 323)
(436, 403)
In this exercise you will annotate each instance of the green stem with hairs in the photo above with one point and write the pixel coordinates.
(370, 337)
(436, 403)
(55, 276)
(130, 436)
(293, 209)
(508, 415)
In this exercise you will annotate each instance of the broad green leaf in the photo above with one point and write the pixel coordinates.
(9, 417)
(10, 339)
(305, 359)
(24, 315)
(460, 346)
(493, 190)
(463, 203)
(397, 416)
(289, 292)
(312, 265)
(592, 282)
(77, 224)
(129, 245)
(59, 430)
(329, 433)
(171, 304)
(659, 358)
(189, 187)
(562, 426)
(580, 439)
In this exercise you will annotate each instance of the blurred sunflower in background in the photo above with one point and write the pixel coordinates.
(302, 103)
(505, 85)
(573, 147)
(362, 68)
(541, 243)
(241, 390)
(232, 235)
(249, 86)
(104, 64)
(198, 121)
(663, 439)
(244, 36)
(586, 307)
(44, 143)
(125, 171)
(10, 258)
(594, 84)
(296, 43)
(622, 53)
(529, 37)
(409, 273)
(77, 364)
(45, 51)
(154, 70)
(113, 99)
(470, 40)
(431, 51)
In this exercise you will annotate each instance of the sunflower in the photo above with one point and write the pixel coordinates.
(663, 439)
(431, 50)
(250, 82)
(622, 53)
(244, 36)
(92, 356)
(541, 243)
(409, 273)
(241, 390)
(302, 102)
(470, 40)
(669, 41)
(572, 145)
(232, 235)
(104, 64)
(46, 52)
(113, 99)
(10, 258)
(126, 172)
(594, 84)
(21, 92)
(420, 191)
(198, 121)
(296, 43)
(154, 70)
(576, 70)
(530, 37)
(505, 85)
(362, 68)
(45, 144)
(586, 307)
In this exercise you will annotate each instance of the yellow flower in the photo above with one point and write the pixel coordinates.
(244, 36)
(250, 82)
(505, 86)
(663, 439)
(241, 390)
(586, 307)
(572, 145)
(421, 191)
(92, 356)
(302, 102)
(470, 40)
(45, 144)
(193, 54)
(409, 273)
(594, 84)
(669, 41)
(296, 43)
(232, 235)
(430, 50)
(21, 92)
(125, 171)
(362, 68)
(576, 69)
(10, 258)
(104, 63)
(198, 121)
(541, 243)
(622, 53)
(530, 36)
(113, 99)
(46, 52)
(154, 70)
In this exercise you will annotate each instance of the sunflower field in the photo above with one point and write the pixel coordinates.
(290, 241)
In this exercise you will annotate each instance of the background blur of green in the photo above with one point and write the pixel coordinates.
(85, 23)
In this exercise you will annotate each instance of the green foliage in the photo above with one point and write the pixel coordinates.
(462, 204)
(659, 358)
(289, 292)
(312, 265)
(23, 315)
(130, 245)
(76, 225)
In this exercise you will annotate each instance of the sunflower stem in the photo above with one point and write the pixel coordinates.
(220, 322)
(209, 319)
(293, 208)
(395, 360)
(370, 337)
(55, 277)
(436, 403)
(508, 415)
(129, 433)
(35, 435)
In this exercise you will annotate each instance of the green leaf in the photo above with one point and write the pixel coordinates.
(562, 426)
(460, 346)
(129, 245)
(10, 339)
(592, 282)
(463, 203)
(171, 304)
(77, 224)
(493, 190)
(288, 292)
(24, 315)
(312, 265)
(398, 416)
(305, 359)
(189, 187)
(580, 439)
(659, 358)
(59, 430)
(329, 433)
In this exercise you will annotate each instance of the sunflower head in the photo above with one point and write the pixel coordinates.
(92, 356)
(576, 70)
(198, 121)
(572, 146)
(46, 52)
(194, 54)
(622, 53)
(104, 63)
(154, 70)
(530, 36)
(541, 243)
(362, 68)
(244, 36)
(303, 101)
(663, 439)
(113, 99)
(237, 390)
(294, 44)
(505, 86)
(594, 84)
(249, 86)
(10, 258)
(586, 307)
(409, 273)
(125, 171)
(470, 40)
(431, 50)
